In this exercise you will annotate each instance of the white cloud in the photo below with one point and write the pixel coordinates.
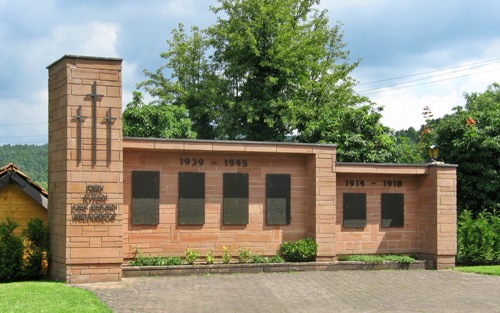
(130, 78)
(441, 91)
(24, 121)
(184, 8)
(93, 38)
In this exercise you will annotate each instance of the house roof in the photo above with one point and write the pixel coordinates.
(11, 174)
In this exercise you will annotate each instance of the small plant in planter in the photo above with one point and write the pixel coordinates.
(277, 259)
(173, 260)
(377, 258)
(303, 250)
(191, 256)
(226, 255)
(244, 255)
(210, 257)
(259, 259)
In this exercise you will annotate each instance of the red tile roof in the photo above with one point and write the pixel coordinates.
(11, 173)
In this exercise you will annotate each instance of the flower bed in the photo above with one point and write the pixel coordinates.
(234, 268)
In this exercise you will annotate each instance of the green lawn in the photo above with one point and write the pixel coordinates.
(48, 297)
(484, 269)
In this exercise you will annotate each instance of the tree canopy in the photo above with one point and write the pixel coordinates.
(30, 159)
(470, 137)
(269, 71)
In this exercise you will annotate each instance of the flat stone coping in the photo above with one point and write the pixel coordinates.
(235, 268)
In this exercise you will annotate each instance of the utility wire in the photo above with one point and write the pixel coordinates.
(430, 77)
(374, 91)
(469, 66)
(22, 124)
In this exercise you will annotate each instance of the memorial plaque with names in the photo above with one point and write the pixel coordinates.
(145, 198)
(278, 199)
(191, 198)
(235, 205)
(393, 209)
(354, 209)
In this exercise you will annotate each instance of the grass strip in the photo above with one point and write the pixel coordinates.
(481, 269)
(48, 297)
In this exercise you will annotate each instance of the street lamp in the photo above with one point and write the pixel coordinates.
(433, 152)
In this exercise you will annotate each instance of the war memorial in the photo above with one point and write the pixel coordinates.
(111, 196)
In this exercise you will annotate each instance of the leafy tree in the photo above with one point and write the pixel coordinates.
(470, 137)
(411, 134)
(358, 133)
(270, 71)
(282, 64)
(156, 121)
(409, 147)
(192, 83)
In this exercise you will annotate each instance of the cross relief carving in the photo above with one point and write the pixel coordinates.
(108, 120)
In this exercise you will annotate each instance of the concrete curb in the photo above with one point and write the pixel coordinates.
(201, 269)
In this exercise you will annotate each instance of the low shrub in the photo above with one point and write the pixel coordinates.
(277, 259)
(478, 241)
(191, 256)
(377, 258)
(36, 247)
(11, 252)
(210, 257)
(173, 260)
(226, 255)
(244, 255)
(303, 250)
(142, 260)
(259, 259)
(26, 257)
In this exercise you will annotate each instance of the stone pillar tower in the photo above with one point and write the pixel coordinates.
(85, 169)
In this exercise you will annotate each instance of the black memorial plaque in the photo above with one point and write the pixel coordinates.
(235, 204)
(145, 198)
(393, 210)
(354, 209)
(191, 198)
(278, 199)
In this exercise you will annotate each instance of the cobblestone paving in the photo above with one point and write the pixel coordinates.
(343, 291)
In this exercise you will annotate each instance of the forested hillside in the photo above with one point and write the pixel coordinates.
(30, 159)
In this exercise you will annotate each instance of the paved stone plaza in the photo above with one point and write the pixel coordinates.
(343, 291)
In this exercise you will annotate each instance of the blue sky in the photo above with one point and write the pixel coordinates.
(414, 53)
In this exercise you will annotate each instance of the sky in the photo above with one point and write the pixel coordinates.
(413, 53)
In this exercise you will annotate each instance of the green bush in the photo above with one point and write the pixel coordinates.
(173, 260)
(377, 258)
(259, 259)
(226, 255)
(36, 249)
(478, 241)
(210, 257)
(303, 250)
(142, 260)
(11, 252)
(191, 256)
(277, 259)
(244, 255)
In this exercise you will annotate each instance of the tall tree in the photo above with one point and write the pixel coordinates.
(156, 120)
(282, 63)
(190, 82)
(270, 70)
(470, 137)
